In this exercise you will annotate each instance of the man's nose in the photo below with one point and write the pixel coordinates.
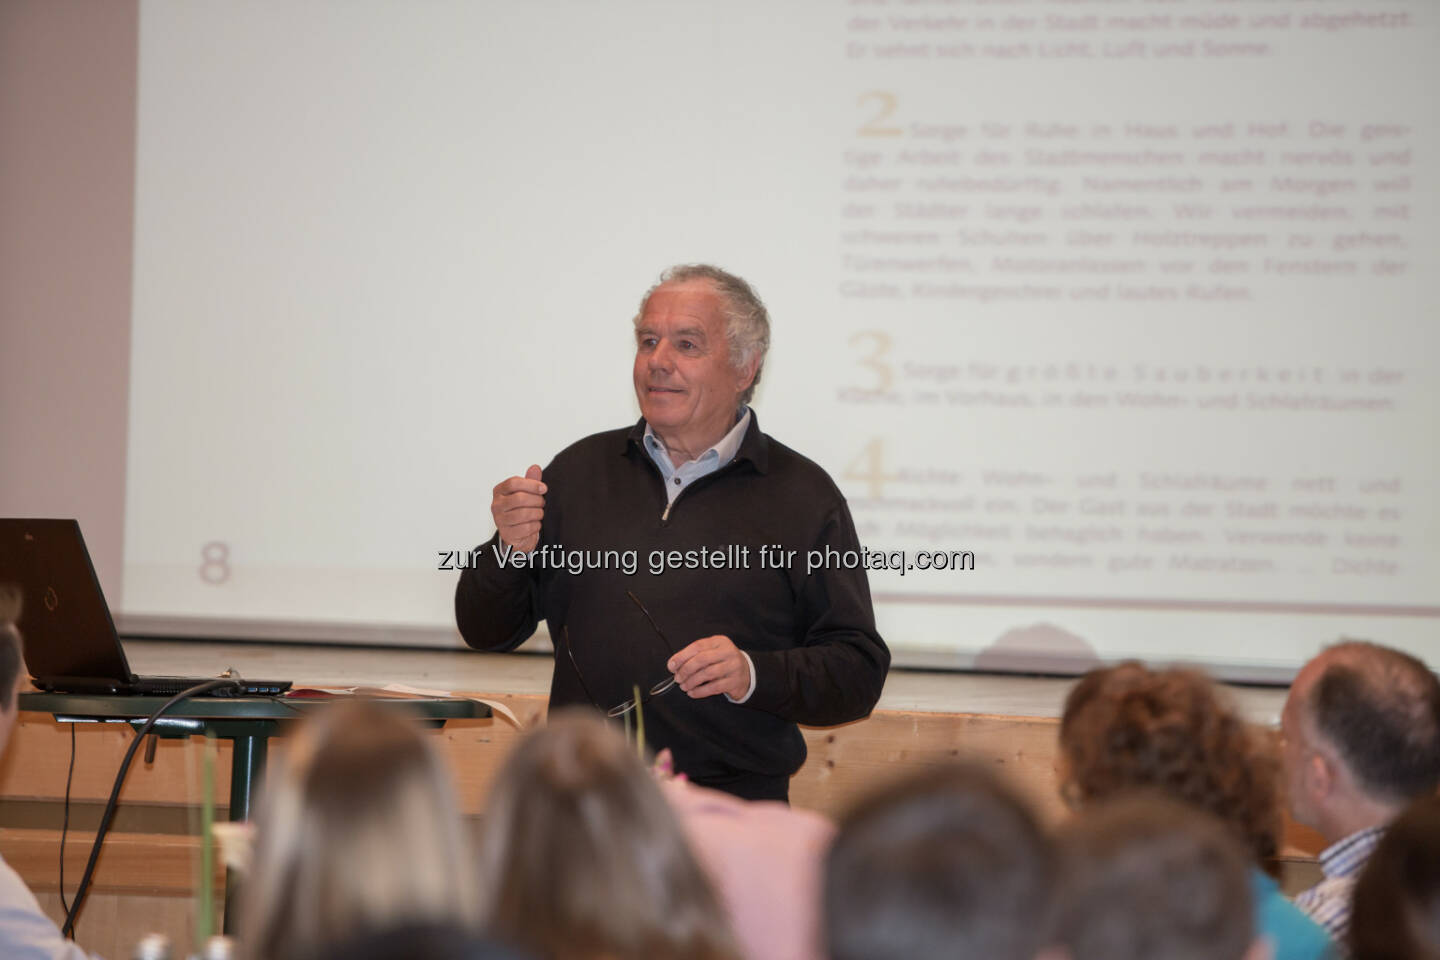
(663, 356)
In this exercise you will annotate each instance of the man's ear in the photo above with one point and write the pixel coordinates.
(1320, 774)
(748, 371)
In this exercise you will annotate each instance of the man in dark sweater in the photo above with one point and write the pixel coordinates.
(690, 546)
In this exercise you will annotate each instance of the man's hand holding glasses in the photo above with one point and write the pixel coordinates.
(709, 666)
(712, 665)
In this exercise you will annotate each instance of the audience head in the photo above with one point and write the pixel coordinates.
(949, 863)
(12, 661)
(358, 831)
(416, 942)
(1128, 728)
(1396, 911)
(1146, 877)
(582, 857)
(1362, 737)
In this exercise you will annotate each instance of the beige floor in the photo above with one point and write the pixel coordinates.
(929, 691)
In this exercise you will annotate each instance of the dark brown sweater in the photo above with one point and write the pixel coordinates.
(818, 658)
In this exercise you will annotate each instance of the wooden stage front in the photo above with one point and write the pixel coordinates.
(149, 868)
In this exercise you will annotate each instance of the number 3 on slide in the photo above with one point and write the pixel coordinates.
(875, 359)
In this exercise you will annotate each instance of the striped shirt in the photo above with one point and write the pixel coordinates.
(1328, 902)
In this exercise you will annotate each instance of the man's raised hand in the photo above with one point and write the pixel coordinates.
(518, 505)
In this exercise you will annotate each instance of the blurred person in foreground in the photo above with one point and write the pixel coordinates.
(1129, 728)
(1361, 730)
(26, 933)
(359, 844)
(581, 858)
(1396, 912)
(764, 859)
(946, 864)
(1146, 878)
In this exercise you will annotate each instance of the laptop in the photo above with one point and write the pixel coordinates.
(70, 641)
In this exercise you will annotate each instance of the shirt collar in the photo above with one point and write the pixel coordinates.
(1345, 858)
(754, 445)
(724, 450)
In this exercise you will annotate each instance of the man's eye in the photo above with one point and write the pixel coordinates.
(687, 345)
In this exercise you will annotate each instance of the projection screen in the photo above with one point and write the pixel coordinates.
(1126, 310)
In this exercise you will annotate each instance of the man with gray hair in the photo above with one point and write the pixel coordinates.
(1362, 740)
(739, 548)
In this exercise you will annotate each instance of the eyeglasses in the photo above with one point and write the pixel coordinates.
(655, 690)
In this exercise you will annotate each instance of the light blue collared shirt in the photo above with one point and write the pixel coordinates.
(678, 478)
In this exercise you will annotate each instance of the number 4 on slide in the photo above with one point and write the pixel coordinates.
(869, 468)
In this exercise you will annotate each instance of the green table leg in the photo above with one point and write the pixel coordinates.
(247, 764)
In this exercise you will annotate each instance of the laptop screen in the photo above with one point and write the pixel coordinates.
(64, 619)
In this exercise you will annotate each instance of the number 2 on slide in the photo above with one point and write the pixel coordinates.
(875, 126)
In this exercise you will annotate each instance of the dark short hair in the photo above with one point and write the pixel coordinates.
(428, 940)
(12, 651)
(1395, 914)
(1380, 709)
(1129, 728)
(949, 863)
(1144, 877)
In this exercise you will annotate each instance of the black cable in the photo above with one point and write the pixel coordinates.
(69, 929)
(65, 823)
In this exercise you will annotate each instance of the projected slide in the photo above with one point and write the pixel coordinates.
(1126, 311)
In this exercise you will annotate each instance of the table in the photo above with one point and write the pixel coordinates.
(249, 722)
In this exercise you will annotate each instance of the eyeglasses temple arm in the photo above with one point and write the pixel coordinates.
(653, 625)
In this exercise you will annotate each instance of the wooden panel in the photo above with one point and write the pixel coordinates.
(477, 748)
(111, 925)
(139, 863)
(844, 761)
(39, 753)
(143, 881)
(847, 762)
(35, 763)
(1300, 841)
